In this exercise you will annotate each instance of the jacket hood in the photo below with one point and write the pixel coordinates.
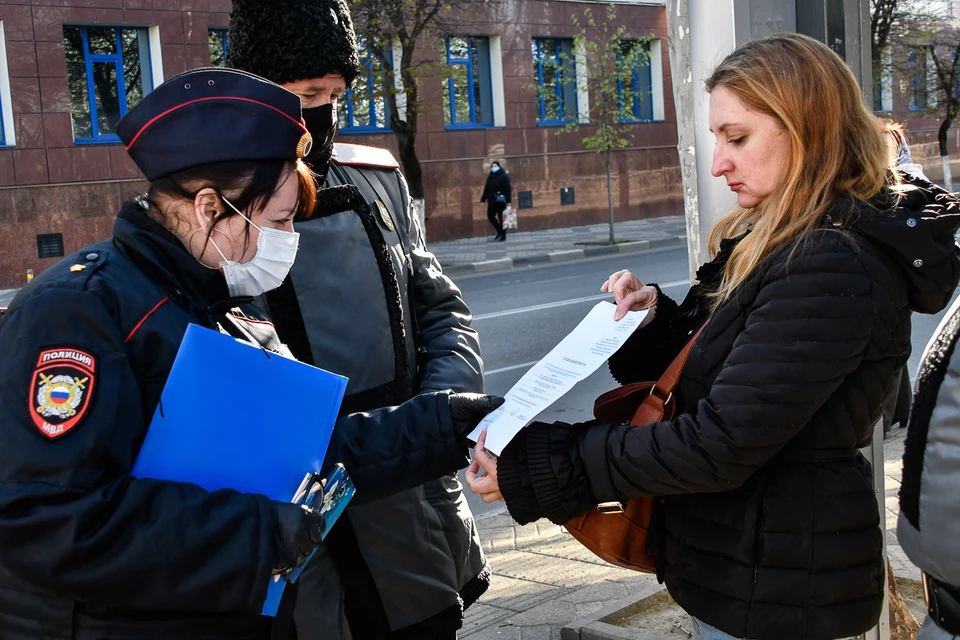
(917, 227)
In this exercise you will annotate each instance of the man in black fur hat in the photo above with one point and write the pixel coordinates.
(367, 300)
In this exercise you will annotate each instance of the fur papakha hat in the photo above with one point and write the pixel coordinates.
(290, 40)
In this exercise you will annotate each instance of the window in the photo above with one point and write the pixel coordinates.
(883, 83)
(917, 63)
(109, 72)
(555, 75)
(468, 93)
(635, 81)
(217, 39)
(6, 108)
(364, 108)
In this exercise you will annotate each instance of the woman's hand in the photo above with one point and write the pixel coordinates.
(630, 294)
(485, 486)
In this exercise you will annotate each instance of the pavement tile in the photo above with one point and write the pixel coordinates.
(605, 591)
(566, 548)
(556, 612)
(640, 585)
(545, 528)
(519, 595)
(540, 632)
(902, 567)
(481, 616)
(553, 569)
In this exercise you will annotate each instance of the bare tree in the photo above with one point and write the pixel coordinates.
(413, 23)
(883, 16)
(945, 53)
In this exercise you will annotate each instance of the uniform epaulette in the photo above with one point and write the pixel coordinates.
(361, 155)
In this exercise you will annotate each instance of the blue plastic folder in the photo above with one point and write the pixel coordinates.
(234, 416)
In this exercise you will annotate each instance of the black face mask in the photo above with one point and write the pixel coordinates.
(323, 126)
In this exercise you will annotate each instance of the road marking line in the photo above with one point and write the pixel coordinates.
(562, 303)
(525, 365)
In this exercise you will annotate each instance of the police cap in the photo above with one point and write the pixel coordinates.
(213, 115)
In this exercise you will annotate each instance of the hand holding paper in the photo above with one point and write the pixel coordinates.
(577, 356)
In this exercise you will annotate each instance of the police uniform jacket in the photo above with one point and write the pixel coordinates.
(929, 521)
(367, 300)
(89, 552)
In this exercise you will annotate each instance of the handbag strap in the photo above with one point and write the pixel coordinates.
(668, 381)
(654, 406)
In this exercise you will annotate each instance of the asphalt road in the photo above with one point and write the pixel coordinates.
(523, 313)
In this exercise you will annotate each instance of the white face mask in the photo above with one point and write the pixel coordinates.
(276, 251)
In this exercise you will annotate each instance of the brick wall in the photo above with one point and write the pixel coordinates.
(49, 184)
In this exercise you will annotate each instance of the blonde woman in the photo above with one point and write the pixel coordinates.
(769, 528)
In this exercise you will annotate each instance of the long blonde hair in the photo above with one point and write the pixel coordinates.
(837, 148)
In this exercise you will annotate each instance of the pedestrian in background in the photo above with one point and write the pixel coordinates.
(768, 527)
(929, 524)
(902, 158)
(497, 193)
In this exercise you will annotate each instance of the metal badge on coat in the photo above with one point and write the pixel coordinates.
(385, 215)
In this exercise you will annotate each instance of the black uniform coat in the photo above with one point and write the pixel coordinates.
(368, 300)
(88, 552)
(770, 526)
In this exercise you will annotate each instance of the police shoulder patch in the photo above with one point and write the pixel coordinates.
(61, 390)
(363, 156)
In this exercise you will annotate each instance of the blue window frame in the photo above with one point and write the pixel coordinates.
(3, 135)
(635, 81)
(556, 76)
(108, 72)
(877, 94)
(217, 39)
(917, 62)
(364, 108)
(468, 92)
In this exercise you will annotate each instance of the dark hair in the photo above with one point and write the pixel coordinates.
(496, 162)
(256, 183)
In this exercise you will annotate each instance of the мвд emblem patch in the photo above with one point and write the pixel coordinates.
(61, 390)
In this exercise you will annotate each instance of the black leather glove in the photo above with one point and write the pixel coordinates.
(299, 531)
(468, 409)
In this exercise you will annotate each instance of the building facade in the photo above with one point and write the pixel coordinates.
(70, 69)
(906, 88)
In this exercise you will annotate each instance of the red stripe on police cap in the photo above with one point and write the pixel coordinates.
(300, 123)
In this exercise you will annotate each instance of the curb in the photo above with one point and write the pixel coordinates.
(568, 255)
(594, 627)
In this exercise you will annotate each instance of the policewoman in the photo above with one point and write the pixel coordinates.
(88, 552)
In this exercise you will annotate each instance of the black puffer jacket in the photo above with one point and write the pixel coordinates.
(770, 527)
(497, 183)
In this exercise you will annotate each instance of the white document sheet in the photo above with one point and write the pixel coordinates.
(578, 355)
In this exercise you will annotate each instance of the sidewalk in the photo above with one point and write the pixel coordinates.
(477, 255)
(544, 580)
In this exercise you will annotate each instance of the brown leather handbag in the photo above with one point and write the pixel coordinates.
(618, 532)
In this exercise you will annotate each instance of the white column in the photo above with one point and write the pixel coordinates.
(6, 106)
(496, 82)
